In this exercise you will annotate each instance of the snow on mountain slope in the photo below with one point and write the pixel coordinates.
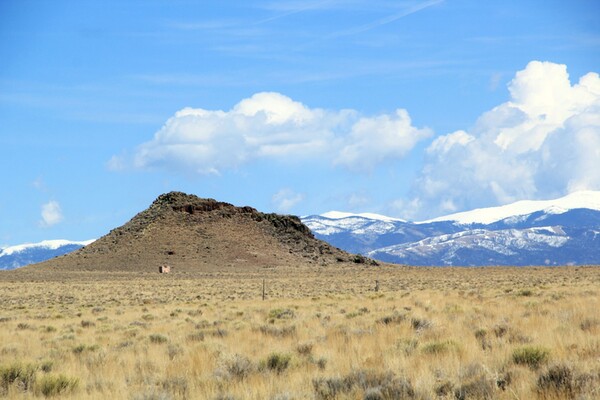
(478, 247)
(353, 223)
(343, 215)
(582, 199)
(45, 244)
(18, 256)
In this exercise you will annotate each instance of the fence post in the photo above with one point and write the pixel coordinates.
(263, 291)
(376, 285)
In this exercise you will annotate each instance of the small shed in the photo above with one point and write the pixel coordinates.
(164, 269)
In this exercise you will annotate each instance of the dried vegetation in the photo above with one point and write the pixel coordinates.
(321, 333)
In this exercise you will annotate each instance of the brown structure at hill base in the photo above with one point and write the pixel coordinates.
(193, 234)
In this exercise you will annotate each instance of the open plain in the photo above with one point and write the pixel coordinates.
(335, 332)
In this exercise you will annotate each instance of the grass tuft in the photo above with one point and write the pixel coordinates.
(531, 356)
(56, 385)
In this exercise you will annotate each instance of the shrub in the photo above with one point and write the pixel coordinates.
(500, 330)
(321, 362)
(328, 388)
(219, 332)
(304, 349)
(438, 347)
(55, 385)
(557, 380)
(177, 386)
(407, 346)
(531, 356)
(282, 313)
(504, 380)
(562, 381)
(21, 375)
(196, 337)
(157, 338)
(278, 362)
(589, 324)
(47, 365)
(481, 336)
(237, 366)
(444, 389)
(392, 319)
(389, 386)
(358, 259)
(373, 394)
(284, 331)
(174, 351)
(478, 388)
(517, 337)
(385, 385)
(82, 347)
(526, 293)
(420, 324)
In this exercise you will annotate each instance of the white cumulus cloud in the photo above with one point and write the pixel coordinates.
(51, 214)
(372, 140)
(270, 125)
(544, 142)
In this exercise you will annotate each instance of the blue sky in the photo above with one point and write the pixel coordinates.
(413, 109)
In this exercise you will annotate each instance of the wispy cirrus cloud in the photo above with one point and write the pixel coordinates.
(286, 9)
(385, 20)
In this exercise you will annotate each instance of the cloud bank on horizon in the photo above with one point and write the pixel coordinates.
(543, 142)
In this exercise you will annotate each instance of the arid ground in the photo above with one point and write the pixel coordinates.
(320, 333)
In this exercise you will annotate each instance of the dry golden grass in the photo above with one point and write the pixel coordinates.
(428, 333)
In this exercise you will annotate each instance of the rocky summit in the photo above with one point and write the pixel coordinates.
(193, 234)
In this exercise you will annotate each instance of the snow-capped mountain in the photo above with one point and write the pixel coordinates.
(584, 199)
(18, 256)
(550, 232)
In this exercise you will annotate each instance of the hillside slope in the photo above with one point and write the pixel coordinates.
(194, 234)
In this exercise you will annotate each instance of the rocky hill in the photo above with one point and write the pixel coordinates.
(194, 234)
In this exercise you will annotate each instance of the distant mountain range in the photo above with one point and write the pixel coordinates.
(564, 231)
(30, 253)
